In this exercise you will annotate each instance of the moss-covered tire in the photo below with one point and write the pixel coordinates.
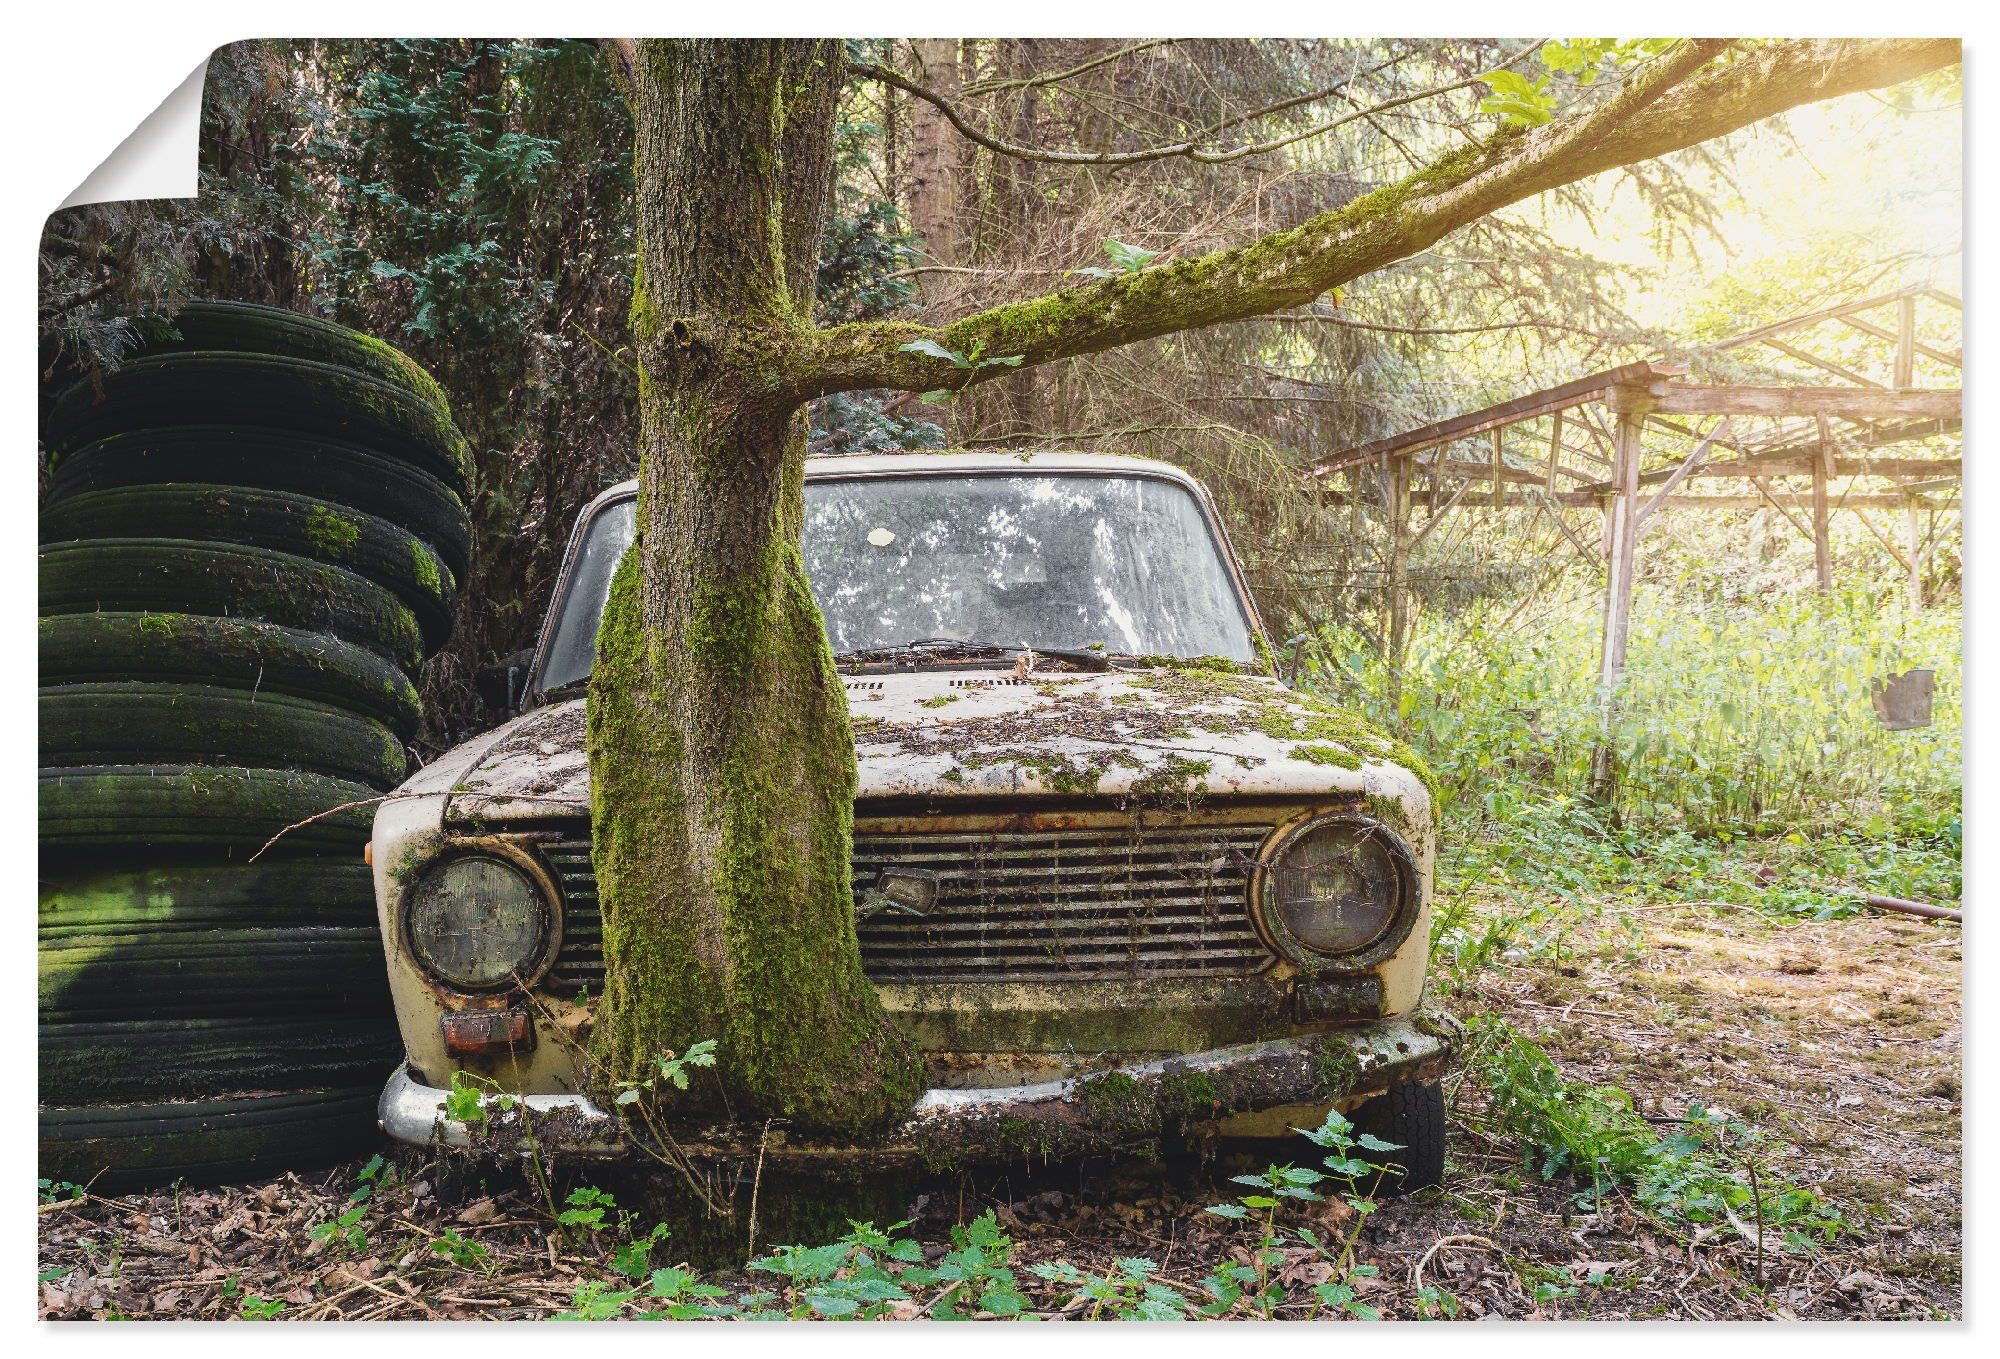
(1411, 1116)
(123, 1061)
(232, 653)
(317, 530)
(140, 807)
(165, 390)
(210, 1141)
(272, 460)
(319, 892)
(112, 972)
(141, 723)
(226, 581)
(249, 328)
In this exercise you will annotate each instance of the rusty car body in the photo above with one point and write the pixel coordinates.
(1077, 873)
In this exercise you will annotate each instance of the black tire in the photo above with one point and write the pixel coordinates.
(123, 575)
(166, 390)
(185, 648)
(322, 892)
(249, 328)
(204, 973)
(272, 460)
(212, 1141)
(139, 723)
(1410, 1115)
(149, 807)
(317, 530)
(132, 1060)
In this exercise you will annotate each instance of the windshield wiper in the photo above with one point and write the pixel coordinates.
(1077, 656)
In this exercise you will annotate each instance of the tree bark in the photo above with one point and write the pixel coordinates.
(935, 152)
(722, 761)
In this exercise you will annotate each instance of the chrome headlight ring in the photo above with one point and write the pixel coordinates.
(1387, 865)
(482, 917)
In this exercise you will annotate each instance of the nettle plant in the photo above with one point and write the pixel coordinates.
(1237, 1288)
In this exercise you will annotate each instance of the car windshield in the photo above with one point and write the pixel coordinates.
(1126, 563)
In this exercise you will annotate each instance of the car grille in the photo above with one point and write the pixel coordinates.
(1110, 904)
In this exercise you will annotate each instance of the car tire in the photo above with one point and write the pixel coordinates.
(249, 328)
(210, 1141)
(273, 460)
(140, 723)
(1411, 1116)
(313, 892)
(169, 975)
(278, 521)
(230, 653)
(226, 581)
(146, 807)
(165, 390)
(136, 1060)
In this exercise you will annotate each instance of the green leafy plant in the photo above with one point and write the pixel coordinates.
(1705, 1169)
(684, 1297)
(672, 1069)
(584, 1211)
(59, 1191)
(1517, 100)
(1437, 1304)
(1251, 1286)
(344, 1230)
(971, 364)
(377, 1174)
(465, 1102)
(976, 1273)
(634, 1259)
(1130, 259)
(254, 1308)
(596, 1300)
(854, 1277)
(461, 1250)
(1127, 1291)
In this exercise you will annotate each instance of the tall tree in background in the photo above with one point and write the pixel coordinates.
(720, 750)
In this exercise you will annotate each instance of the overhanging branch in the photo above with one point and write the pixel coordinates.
(1693, 93)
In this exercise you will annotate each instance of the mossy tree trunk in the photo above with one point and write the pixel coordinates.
(722, 763)
(721, 757)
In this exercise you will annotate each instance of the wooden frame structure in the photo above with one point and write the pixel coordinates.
(1633, 440)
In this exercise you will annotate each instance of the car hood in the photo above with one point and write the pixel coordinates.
(1162, 732)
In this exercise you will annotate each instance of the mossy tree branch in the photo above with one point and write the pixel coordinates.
(1699, 90)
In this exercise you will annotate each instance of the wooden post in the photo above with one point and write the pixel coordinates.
(1499, 486)
(1913, 552)
(1621, 535)
(1395, 581)
(1555, 447)
(1822, 541)
(1906, 342)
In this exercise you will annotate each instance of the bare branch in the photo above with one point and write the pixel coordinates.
(1683, 98)
(986, 87)
(1192, 147)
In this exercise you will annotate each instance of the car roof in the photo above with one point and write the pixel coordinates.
(968, 460)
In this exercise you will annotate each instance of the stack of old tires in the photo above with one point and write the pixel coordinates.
(250, 542)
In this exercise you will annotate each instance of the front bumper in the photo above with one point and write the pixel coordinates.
(1101, 1111)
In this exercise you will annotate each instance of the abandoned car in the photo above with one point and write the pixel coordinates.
(1120, 881)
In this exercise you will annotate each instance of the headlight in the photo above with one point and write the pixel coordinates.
(1339, 891)
(476, 922)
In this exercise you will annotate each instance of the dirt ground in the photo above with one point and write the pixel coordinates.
(1839, 1040)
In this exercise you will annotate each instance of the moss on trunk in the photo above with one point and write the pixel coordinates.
(722, 762)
